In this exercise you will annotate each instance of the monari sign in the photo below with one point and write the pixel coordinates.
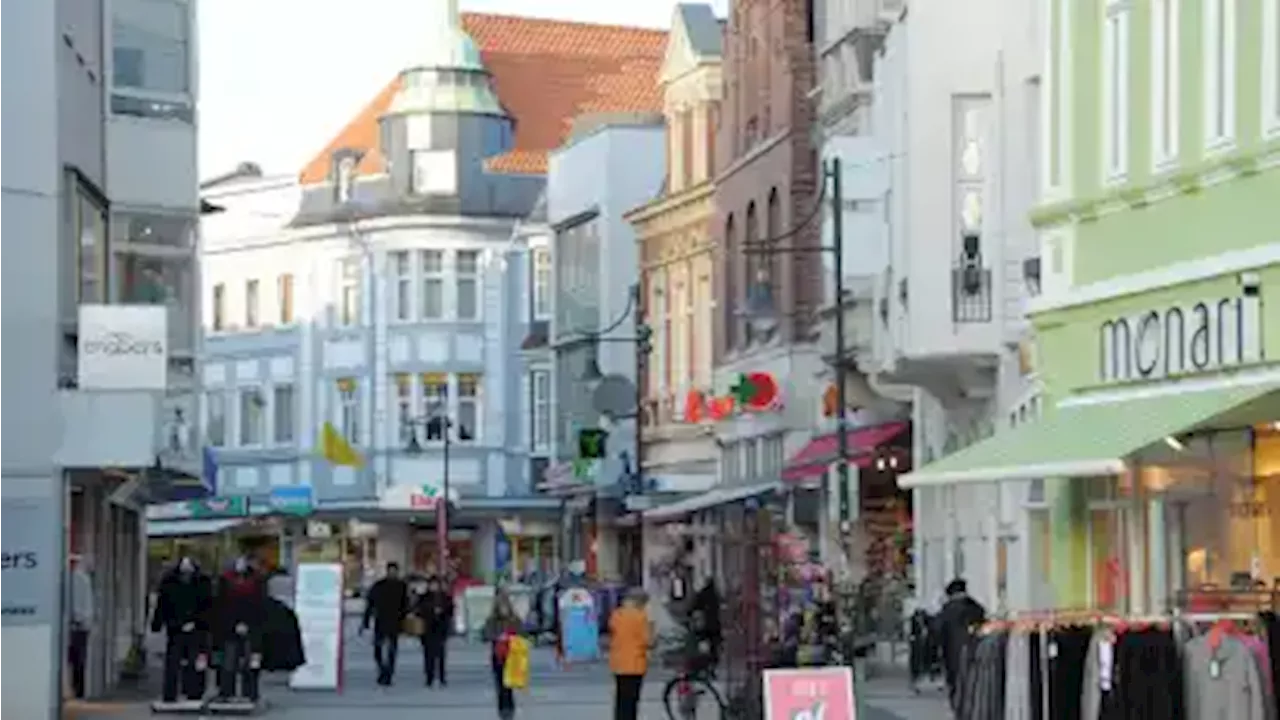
(1181, 340)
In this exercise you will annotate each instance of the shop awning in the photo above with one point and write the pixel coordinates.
(709, 499)
(814, 459)
(187, 528)
(1083, 438)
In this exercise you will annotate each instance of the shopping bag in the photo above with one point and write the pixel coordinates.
(515, 671)
(413, 626)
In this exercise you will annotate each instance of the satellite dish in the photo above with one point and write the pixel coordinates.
(614, 396)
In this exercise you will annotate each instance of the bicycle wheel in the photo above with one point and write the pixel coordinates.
(693, 698)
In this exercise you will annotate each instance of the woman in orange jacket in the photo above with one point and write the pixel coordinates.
(629, 653)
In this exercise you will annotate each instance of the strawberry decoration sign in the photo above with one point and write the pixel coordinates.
(751, 392)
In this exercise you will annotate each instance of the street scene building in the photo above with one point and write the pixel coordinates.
(804, 332)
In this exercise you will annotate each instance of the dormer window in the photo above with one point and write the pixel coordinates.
(346, 177)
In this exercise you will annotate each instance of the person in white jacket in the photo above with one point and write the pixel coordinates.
(80, 606)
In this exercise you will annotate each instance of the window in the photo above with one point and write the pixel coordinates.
(349, 410)
(215, 418)
(219, 303)
(730, 315)
(434, 172)
(432, 265)
(1115, 91)
(251, 303)
(403, 285)
(252, 416)
(541, 409)
(1219, 45)
(435, 404)
(750, 460)
(282, 429)
(542, 284)
(91, 231)
(349, 310)
(345, 180)
(1271, 67)
(467, 267)
(404, 405)
(150, 67)
(468, 420)
(1165, 94)
(284, 291)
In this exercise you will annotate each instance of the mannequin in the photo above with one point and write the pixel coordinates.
(240, 608)
(183, 602)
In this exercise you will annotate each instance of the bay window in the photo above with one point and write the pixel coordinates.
(435, 404)
(349, 297)
(403, 283)
(348, 410)
(1115, 90)
(467, 272)
(467, 422)
(431, 263)
(1219, 72)
(150, 58)
(251, 415)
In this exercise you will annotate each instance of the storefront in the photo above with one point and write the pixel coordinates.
(1156, 456)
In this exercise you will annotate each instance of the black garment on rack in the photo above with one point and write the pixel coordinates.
(1148, 678)
(1271, 630)
(1035, 674)
(982, 682)
(1068, 651)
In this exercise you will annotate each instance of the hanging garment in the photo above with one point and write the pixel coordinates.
(1099, 676)
(1147, 677)
(1271, 631)
(282, 639)
(1036, 649)
(982, 695)
(1223, 680)
(1067, 651)
(1258, 646)
(1017, 682)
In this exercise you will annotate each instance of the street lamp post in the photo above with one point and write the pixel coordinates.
(832, 192)
(413, 447)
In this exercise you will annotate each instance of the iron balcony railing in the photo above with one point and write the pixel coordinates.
(971, 294)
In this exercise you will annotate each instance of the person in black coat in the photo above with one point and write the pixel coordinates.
(183, 604)
(386, 605)
(956, 622)
(435, 607)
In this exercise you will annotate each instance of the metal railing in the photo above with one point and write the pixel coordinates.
(971, 295)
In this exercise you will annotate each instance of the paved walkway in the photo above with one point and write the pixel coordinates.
(575, 693)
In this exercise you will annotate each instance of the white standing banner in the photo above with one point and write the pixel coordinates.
(318, 604)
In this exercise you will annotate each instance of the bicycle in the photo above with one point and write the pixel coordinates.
(692, 694)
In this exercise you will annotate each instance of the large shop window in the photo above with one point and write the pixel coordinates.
(91, 232)
(151, 70)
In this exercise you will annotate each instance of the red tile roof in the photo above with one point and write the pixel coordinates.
(546, 73)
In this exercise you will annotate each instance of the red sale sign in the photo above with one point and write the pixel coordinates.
(809, 694)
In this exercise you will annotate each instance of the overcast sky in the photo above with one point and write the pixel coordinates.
(278, 78)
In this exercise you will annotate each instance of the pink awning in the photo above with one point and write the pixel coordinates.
(814, 459)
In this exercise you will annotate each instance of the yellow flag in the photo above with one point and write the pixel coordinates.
(336, 449)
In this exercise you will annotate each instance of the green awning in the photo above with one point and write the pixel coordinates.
(1081, 438)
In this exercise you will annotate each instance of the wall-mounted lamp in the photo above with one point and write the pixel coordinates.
(887, 463)
(1174, 443)
(1031, 275)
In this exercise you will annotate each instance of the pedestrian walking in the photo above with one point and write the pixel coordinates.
(956, 622)
(502, 626)
(386, 605)
(435, 608)
(629, 636)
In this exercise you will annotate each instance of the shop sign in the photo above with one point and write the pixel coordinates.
(1180, 340)
(31, 562)
(752, 392)
(291, 500)
(411, 497)
(818, 693)
(214, 507)
(123, 347)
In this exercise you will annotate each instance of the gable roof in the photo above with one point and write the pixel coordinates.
(545, 73)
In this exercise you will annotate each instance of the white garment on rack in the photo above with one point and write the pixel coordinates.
(1017, 683)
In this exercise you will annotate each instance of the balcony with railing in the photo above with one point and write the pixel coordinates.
(971, 294)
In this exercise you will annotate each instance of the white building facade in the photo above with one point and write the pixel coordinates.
(925, 118)
(100, 208)
(384, 302)
(609, 165)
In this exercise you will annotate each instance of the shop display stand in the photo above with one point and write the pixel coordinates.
(178, 707)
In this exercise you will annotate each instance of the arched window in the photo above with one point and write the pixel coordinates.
(773, 228)
(728, 304)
